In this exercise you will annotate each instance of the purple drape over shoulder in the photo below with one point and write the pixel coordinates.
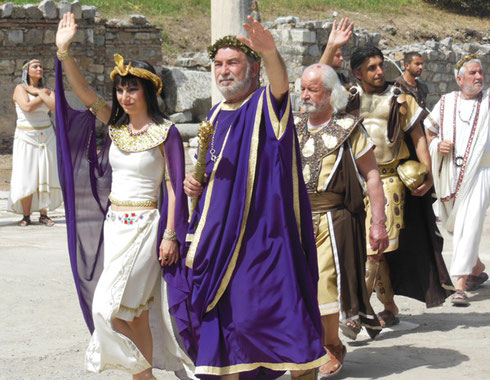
(85, 177)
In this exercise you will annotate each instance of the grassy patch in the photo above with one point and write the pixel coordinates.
(110, 8)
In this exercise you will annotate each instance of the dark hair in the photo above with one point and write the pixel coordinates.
(28, 78)
(407, 58)
(363, 53)
(118, 116)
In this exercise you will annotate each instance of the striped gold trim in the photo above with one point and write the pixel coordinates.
(220, 371)
(252, 166)
(132, 203)
(140, 307)
(297, 208)
(279, 126)
(234, 106)
(31, 128)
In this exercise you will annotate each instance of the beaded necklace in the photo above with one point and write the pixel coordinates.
(141, 131)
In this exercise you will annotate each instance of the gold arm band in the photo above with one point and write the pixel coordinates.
(64, 54)
(133, 203)
(97, 105)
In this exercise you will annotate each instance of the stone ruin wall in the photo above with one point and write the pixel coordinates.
(29, 31)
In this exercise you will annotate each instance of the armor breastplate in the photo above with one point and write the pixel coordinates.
(375, 109)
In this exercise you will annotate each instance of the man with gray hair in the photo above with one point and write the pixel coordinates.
(335, 148)
(460, 150)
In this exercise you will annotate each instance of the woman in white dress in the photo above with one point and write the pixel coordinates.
(130, 288)
(34, 185)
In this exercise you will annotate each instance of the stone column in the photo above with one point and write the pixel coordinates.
(227, 17)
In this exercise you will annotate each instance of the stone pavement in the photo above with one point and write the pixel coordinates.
(43, 336)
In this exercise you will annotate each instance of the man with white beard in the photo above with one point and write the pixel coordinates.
(460, 150)
(252, 249)
(335, 148)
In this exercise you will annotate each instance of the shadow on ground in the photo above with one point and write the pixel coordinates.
(376, 362)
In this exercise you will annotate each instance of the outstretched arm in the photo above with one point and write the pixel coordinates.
(261, 40)
(339, 36)
(67, 29)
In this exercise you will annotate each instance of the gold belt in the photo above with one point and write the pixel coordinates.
(32, 128)
(388, 170)
(133, 203)
(323, 202)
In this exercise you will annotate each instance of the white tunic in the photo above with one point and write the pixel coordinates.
(34, 162)
(462, 178)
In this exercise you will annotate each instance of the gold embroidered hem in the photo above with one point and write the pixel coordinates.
(155, 135)
(132, 203)
(221, 371)
(31, 128)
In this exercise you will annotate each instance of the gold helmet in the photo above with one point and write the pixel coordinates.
(412, 173)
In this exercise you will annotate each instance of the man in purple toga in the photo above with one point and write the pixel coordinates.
(252, 249)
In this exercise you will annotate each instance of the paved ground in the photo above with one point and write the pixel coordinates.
(43, 336)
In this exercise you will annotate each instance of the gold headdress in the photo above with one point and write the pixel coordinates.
(30, 62)
(463, 60)
(124, 70)
(231, 41)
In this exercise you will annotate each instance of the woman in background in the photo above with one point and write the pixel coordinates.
(34, 185)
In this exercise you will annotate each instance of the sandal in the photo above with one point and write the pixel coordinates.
(46, 220)
(350, 328)
(460, 299)
(26, 221)
(474, 282)
(335, 364)
(388, 319)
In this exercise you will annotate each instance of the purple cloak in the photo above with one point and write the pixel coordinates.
(85, 178)
(253, 251)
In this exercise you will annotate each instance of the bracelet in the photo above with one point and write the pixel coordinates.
(97, 105)
(170, 235)
(63, 54)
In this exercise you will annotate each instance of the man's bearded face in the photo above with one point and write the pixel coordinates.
(416, 66)
(232, 72)
(230, 87)
(315, 98)
(472, 81)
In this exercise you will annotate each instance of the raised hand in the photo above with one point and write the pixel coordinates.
(340, 33)
(67, 29)
(260, 39)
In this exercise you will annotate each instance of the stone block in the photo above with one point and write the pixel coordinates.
(142, 36)
(2, 36)
(470, 47)
(99, 40)
(89, 12)
(433, 55)
(98, 69)
(187, 90)
(138, 19)
(6, 10)
(34, 37)
(447, 42)
(443, 86)
(303, 35)
(19, 12)
(89, 36)
(432, 44)
(76, 9)
(314, 51)
(181, 117)
(437, 77)
(48, 9)
(15, 37)
(63, 7)
(33, 12)
(79, 37)
(287, 20)
(7, 66)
